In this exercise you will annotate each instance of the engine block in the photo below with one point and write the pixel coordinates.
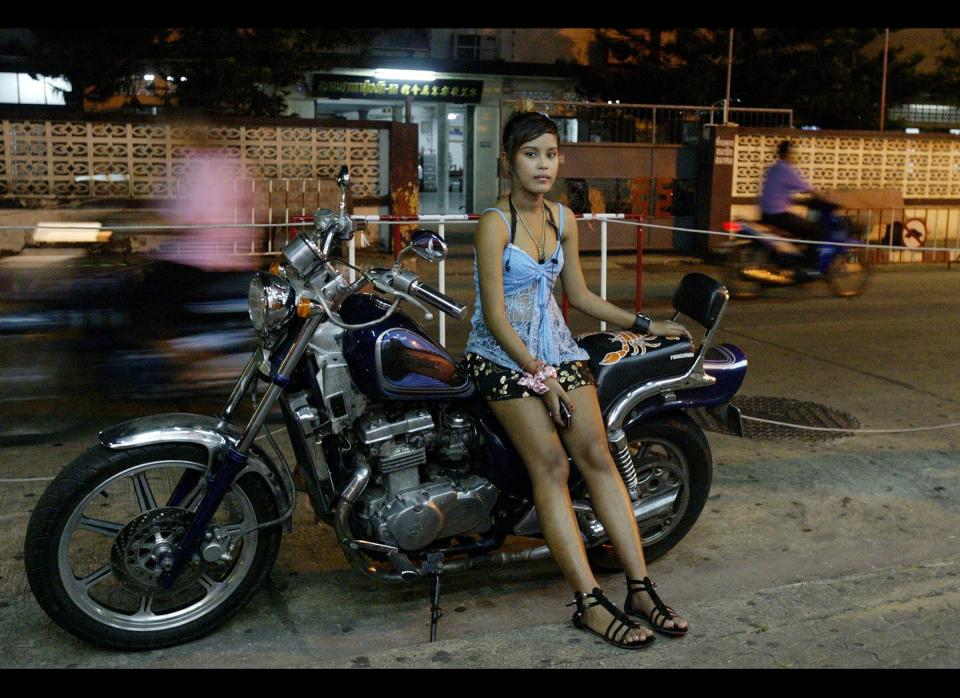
(438, 509)
(413, 506)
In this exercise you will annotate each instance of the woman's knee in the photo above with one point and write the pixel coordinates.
(595, 457)
(550, 469)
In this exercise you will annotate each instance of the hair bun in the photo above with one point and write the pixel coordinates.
(524, 107)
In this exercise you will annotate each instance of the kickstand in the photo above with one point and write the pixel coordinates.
(434, 566)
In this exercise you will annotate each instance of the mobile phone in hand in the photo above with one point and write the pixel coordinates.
(565, 415)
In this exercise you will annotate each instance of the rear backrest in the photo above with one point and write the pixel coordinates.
(700, 297)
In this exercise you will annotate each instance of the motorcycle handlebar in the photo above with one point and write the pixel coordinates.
(438, 300)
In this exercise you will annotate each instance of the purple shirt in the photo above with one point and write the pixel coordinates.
(781, 183)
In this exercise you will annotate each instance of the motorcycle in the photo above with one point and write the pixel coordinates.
(165, 528)
(767, 260)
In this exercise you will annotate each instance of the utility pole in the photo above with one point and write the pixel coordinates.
(726, 101)
(883, 89)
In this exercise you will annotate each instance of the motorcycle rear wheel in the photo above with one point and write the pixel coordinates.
(91, 548)
(669, 452)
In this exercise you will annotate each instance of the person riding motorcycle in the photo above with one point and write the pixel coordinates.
(781, 182)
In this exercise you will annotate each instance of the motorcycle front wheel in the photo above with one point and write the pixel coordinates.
(670, 454)
(848, 273)
(94, 543)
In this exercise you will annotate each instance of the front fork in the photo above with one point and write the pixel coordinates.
(223, 471)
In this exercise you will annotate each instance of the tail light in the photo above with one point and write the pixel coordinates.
(732, 227)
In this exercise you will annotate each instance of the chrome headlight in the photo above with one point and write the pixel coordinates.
(271, 301)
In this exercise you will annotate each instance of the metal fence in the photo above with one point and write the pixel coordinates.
(887, 231)
(593, 122)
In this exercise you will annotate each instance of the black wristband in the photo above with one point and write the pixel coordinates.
(641, 324)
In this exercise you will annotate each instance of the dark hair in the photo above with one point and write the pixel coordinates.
(523, 127)
(783, 149)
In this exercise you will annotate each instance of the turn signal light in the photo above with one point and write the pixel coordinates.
(305, 307)
(275, 268)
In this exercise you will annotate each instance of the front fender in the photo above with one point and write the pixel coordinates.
(207, 432)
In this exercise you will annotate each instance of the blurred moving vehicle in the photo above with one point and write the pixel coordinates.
(81, 328)
(765, 260)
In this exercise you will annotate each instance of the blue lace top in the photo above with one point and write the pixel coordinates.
(531, 309)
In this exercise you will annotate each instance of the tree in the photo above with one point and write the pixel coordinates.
(232, 71)
(825, 75)
(946, 80)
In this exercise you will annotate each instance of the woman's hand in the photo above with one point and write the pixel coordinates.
(552, 399)
(669, 328)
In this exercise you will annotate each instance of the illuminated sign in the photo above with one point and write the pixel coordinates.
(359, 87)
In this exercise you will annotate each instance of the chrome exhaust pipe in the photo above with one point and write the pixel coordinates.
(594, 533)
(540, 552)
(341, 524)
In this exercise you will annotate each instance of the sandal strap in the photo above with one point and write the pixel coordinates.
(647, 585)
(620, 619)
(579, 598)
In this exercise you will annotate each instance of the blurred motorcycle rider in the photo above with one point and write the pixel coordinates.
(781, 183)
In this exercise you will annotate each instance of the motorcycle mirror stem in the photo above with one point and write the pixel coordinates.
(343, 181)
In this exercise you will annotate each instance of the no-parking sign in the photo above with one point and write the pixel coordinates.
(914, 233)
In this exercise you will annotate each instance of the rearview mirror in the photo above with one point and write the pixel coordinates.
(429, 245)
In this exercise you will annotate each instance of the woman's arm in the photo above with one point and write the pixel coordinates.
(489, 243)
(589, 303)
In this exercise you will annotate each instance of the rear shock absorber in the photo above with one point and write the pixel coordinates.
(617, 441)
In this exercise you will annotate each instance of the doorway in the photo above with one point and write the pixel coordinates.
(444, 175)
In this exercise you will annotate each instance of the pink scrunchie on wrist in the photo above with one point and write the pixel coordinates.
(535, 381)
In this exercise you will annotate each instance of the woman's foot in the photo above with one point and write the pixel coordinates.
(598, 615)
(598, 619)
(644, 603)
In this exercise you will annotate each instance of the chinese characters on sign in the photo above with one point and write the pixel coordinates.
(461, 91)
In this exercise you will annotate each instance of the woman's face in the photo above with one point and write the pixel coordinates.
(536, 163)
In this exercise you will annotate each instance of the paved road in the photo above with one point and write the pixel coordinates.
(838, 552)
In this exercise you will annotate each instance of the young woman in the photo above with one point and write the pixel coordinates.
(526, 365)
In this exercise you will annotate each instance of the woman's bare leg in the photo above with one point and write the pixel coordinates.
(534, 436)
(586, 442)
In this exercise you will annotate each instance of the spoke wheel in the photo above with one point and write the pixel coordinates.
(671, 455)
(104, 531)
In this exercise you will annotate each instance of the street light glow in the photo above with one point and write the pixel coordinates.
(391, 74)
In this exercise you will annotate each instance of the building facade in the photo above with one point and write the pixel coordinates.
(455, 101)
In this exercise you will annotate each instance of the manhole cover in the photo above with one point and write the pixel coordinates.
(780, 409)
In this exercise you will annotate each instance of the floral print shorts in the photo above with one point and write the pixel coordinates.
(496, 382)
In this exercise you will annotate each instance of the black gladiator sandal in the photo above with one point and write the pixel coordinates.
(661, 612)
(613, 635)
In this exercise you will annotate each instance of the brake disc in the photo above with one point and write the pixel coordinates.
(141, 546)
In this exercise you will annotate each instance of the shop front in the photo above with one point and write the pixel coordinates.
(458, 117)
(442, 108)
